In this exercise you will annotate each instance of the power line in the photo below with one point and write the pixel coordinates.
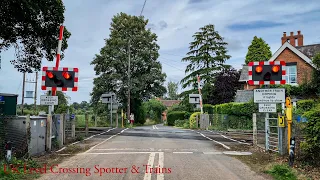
(143, 7)
(172, 54)
(173, 66)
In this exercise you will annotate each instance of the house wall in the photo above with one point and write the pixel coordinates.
(304, 70)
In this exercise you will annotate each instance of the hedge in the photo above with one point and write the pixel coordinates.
(192, 120)
(208, 108)
(175, 115)
(236, 109)
(306, 105)
(310, 148)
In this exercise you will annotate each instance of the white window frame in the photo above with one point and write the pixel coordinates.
(288, 75)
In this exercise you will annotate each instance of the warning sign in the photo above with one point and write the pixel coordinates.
(267, 107)
(281, 121)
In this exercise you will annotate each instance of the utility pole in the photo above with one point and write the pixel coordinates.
(35, 92)
(23, 86)
(129, 84)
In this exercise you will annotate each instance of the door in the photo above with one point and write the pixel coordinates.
(41, 143)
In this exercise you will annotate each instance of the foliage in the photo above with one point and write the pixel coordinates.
(128, 37)
(22, 166)
(175, 115)
(282, 172)
(32, 27)
(192, 120)
(154, 109)
(316, 73)
(172, 90)
(139, 112)
(224, 89)
(207, 54)
(303, 91)
(312, 136)
(208, 108)
(237, 109)
(259, 50)
(307, 104)
(180, 123)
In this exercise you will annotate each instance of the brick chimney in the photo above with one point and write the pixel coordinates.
(292, 39)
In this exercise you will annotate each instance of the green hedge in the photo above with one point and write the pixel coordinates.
(175, 115)
(208, 108)
(306, 105)
(180, 123)
(192, 120)
(236, 109)
(310, 148)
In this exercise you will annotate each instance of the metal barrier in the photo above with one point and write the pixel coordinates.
(272, 134)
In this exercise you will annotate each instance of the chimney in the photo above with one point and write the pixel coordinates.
(300, 38)
(292, 39)
(284, 38)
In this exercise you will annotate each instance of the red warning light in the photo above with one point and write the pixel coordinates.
(66, 75)
(259, 69)
(50, 75)
(275, 69)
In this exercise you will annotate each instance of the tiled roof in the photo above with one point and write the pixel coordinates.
(243, 96)
(309, 50)
(244, 74)
(169, 103)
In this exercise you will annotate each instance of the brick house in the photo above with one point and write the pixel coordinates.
(168, 104)
(297, 56)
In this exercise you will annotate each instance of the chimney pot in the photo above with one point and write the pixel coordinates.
(284, 34)
(299, 32)
(291, 33)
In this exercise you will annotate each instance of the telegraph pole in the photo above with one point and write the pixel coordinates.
(129, 84)
(35, 92)
(23, 86)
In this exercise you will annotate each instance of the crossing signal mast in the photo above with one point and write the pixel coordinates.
(266, 73)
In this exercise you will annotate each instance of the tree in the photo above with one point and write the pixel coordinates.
(316, 73)
(224, 88)
(259, 50)
(32, 28)
(207, 55)
(154, 109)
(129, 36)
(172, 90)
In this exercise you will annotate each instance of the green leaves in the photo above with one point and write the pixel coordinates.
(128, 37)
(32, 28)
(259, 50)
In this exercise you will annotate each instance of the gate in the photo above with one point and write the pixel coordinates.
(204, 121)
(272, 134)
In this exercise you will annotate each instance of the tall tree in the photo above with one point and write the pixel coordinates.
(224, 88)
(32, 28)
(207, 55)
(172, 90)
(129, 37)
(259, 50)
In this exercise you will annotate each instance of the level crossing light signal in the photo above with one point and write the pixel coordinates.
(59, 79)
(265, 72)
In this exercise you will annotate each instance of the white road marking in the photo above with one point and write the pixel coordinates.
(102, 142)
(225, 146)
(229, 138)
(123, 149)
(182, 152)
(160, 176)
(115, 153)
(147, 176)
(212, 153)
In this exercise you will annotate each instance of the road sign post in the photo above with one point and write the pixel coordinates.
(110, 98)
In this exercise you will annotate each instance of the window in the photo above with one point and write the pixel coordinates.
(291, 74)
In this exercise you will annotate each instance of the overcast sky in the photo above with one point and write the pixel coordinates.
(174, 21)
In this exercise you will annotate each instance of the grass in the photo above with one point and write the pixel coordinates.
(282, 172)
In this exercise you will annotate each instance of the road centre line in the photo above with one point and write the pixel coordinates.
(182, 152)
(147, 176)
(225, 146)
(160, 176)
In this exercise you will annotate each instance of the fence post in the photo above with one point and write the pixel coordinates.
(61, 132)
(49, 132)
(28, 133)
(73, 128)
(87, 123)
(254, 121)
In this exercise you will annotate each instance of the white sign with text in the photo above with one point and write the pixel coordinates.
(267, 107)
(276, 95)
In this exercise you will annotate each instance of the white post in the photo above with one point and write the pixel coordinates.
(199, 88)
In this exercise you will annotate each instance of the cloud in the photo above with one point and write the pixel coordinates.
(174, 22)
(253, 25)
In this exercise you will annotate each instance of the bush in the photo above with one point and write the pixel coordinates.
(175, 115)
(179, 123)
(310, 150)
(237, 109)
(282, 172)
(208, 108)
(306, 105)
(192, 120)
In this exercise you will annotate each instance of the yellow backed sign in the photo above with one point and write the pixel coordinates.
(281, 121)
(288, 102)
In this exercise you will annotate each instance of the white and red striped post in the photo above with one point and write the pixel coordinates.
(199, 88)
(59, 51)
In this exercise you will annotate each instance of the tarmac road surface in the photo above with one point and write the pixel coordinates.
(154, 152)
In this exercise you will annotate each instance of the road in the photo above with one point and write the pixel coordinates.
(178, 154)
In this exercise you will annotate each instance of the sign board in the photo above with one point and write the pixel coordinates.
(281, 121)
(48, 100)
(107, 98)
(267, 107)
(194, 98)
(72, 116)
(273, 95)
(114, 106)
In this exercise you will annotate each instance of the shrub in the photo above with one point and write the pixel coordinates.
(179, 123)
(282, 172)
(175, 115)
(312, 137)
(192, 120)
(208, 108)
(186, 124)
(306, 105)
